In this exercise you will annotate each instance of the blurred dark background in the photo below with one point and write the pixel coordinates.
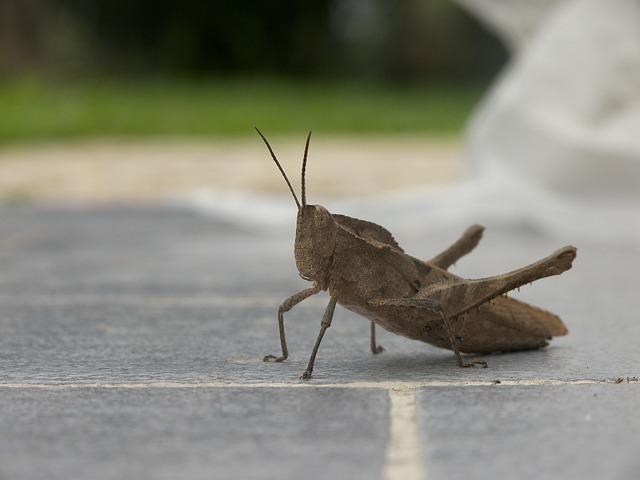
(374, 40)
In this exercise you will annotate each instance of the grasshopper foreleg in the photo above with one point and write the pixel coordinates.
(287, 305)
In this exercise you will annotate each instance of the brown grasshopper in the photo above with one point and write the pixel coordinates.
(367, 272)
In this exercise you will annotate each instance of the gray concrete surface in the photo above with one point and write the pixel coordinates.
(105, 433)
(531, 432)
(131, 344)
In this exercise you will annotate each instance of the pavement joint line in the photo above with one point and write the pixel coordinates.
(92, 300)
(386, 385)
(403, 453)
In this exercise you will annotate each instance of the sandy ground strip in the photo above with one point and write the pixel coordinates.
(152, 170)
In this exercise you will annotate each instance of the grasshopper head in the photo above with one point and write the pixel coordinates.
(315, 229)
(315, 242)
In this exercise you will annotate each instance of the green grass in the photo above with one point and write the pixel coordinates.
(32, 110)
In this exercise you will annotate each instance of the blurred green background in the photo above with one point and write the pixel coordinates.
(78, 68)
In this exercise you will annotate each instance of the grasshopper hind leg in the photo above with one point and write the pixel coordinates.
(436, 309)
(464, 245)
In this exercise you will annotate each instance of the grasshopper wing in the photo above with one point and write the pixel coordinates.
(506, 324)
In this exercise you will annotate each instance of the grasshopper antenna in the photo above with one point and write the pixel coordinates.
(273, 155)
(304, 169)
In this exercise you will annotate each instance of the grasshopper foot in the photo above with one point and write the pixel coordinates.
(273, 358)
(377, 349)
(306, 375)
(473, 363)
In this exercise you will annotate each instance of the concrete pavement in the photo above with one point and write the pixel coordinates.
(131, 344)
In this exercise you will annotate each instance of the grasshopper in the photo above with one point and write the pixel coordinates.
(365, 270)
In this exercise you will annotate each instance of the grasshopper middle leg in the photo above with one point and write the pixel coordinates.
(324, 324)
(375, 348)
